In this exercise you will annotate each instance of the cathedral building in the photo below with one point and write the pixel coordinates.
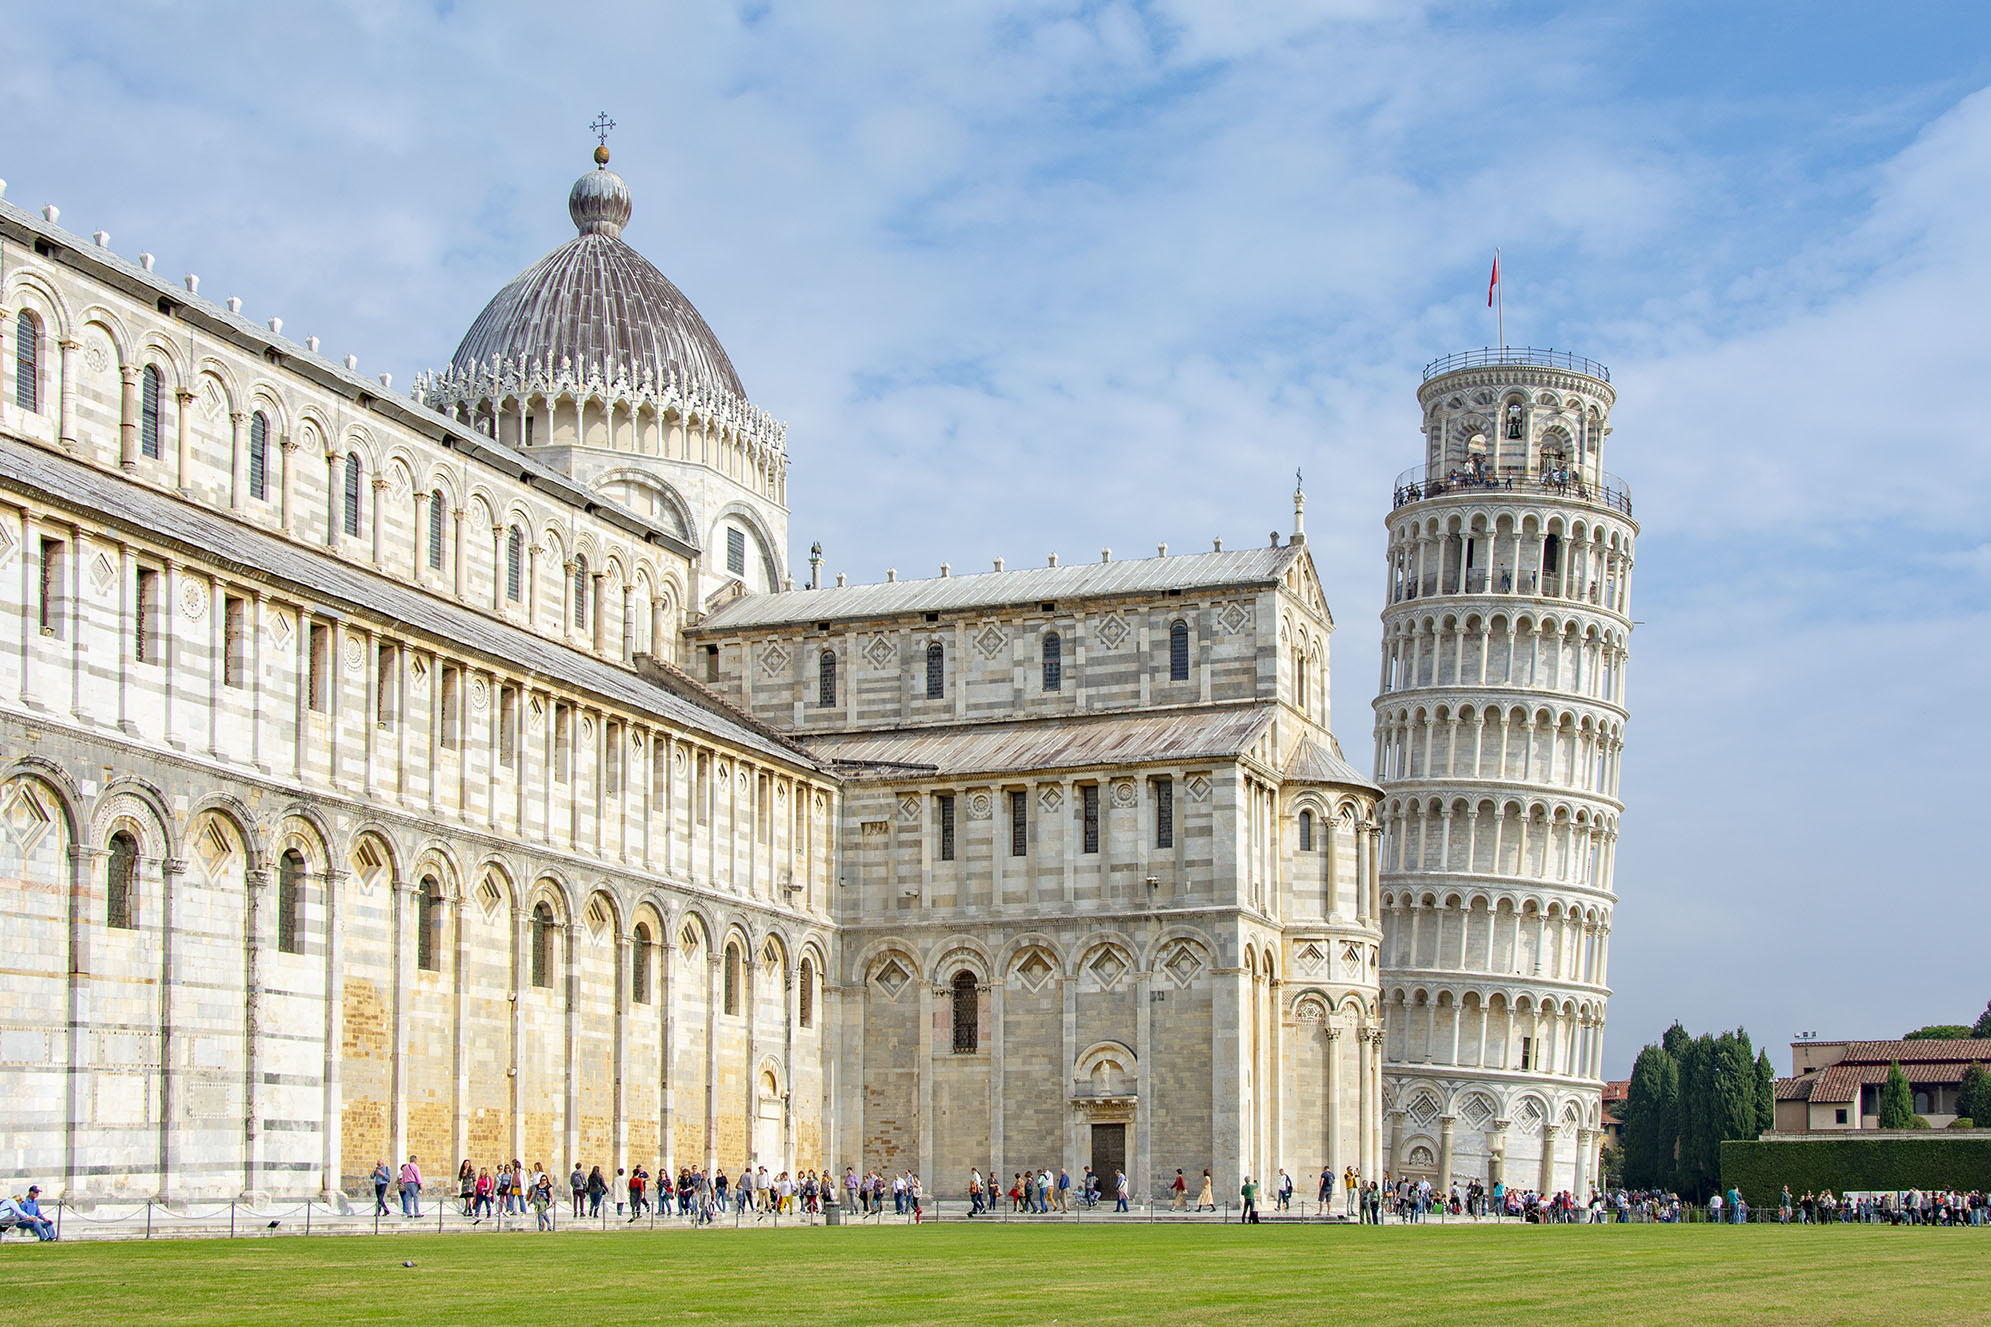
(462, 772)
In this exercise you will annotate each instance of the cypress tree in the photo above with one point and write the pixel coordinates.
(1652, 1119)
(1897, 1103)
(1698, 1161)
(1766, 1093)
(1974, 1100)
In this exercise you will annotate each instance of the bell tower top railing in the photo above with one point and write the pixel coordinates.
(1548, 359)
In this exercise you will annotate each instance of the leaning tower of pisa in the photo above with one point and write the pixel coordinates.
(1499, 722)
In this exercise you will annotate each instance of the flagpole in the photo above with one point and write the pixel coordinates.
(1500, 294)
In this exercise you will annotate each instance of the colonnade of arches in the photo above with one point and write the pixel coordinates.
(1471, 1026)
(1495, 549)
(731, 438)
(1537, 652)
(200, 424)
(1495, 933)
(1557, 747)
(387, 992)
(1529, 840)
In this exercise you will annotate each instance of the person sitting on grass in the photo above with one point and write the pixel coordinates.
(26, 1213)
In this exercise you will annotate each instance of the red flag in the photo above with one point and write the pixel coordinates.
(1494, 280)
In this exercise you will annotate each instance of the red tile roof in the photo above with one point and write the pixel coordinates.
(1842, 1082)
(1796, 1089)
(1948, 1052)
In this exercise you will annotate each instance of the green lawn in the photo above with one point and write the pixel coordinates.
(956, 1273)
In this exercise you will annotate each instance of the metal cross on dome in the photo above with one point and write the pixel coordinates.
(602, 124)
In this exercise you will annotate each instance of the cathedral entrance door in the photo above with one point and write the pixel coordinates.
(1109, 1154)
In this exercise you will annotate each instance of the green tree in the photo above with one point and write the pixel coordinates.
(1939, 1032)
(1651, 1115)
(1766, 1093)
(1983, 1027)
(1974, 1099)
(1897, 1103)
(1699, 1164)
(1675, 1040)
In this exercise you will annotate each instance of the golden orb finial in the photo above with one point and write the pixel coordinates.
(601, 155)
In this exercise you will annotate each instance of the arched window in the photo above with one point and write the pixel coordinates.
(639, 964)
(580, 590)
(967, 1020)
(148, 413)
(27, 362)
(259, 456)
(826, 679)
(542, 944)
(1306, 831)
(805, 995)
(121, 883)
(730, 980)
(290, 902)
(936, 671)
(428, 925)
(352, 493)
(435, 530)
(514, 564)
(1054, 661)
(1178, 651)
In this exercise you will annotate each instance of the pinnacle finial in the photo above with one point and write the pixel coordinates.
(599, 128)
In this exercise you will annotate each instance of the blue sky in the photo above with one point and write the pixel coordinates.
(1056, 277)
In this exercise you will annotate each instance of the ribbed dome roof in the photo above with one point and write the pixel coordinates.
(594, 300)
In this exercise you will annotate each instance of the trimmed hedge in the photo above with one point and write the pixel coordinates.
(1760, 1170)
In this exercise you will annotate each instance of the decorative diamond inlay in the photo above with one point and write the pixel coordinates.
(773, 659)
(1111, 632)
(1476, 1111)
(909, 809)
(1199, 788)
(1234, 618)
(1182, 964)
(1423, 1108)
(1108, 967)
(1034, 971)
(1050, 799)
(280, 630)
(1311, 958)
(891, 977)
(990, 642)
(102, 575)
(880, 652)
(26, 817)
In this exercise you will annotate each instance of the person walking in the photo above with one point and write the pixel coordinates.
(1180, 1188)
(411, 1189)
(577, 1183)
(382, 1177)
(1119, 1190)
(597, 1190)
(466, 1187)
(1285, 1191)
(1206, 1199)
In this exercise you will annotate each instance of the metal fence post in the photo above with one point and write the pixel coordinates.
(231, 1218)
(148, 1219)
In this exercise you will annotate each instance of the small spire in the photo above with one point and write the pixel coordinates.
(1299, 509)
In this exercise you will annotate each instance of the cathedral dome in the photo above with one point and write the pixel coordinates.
(596, 301)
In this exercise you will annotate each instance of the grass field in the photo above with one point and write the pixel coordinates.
(1090, 1275)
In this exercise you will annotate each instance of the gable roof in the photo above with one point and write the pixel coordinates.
(168, 519)
(1046, 744)
(996, 589)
